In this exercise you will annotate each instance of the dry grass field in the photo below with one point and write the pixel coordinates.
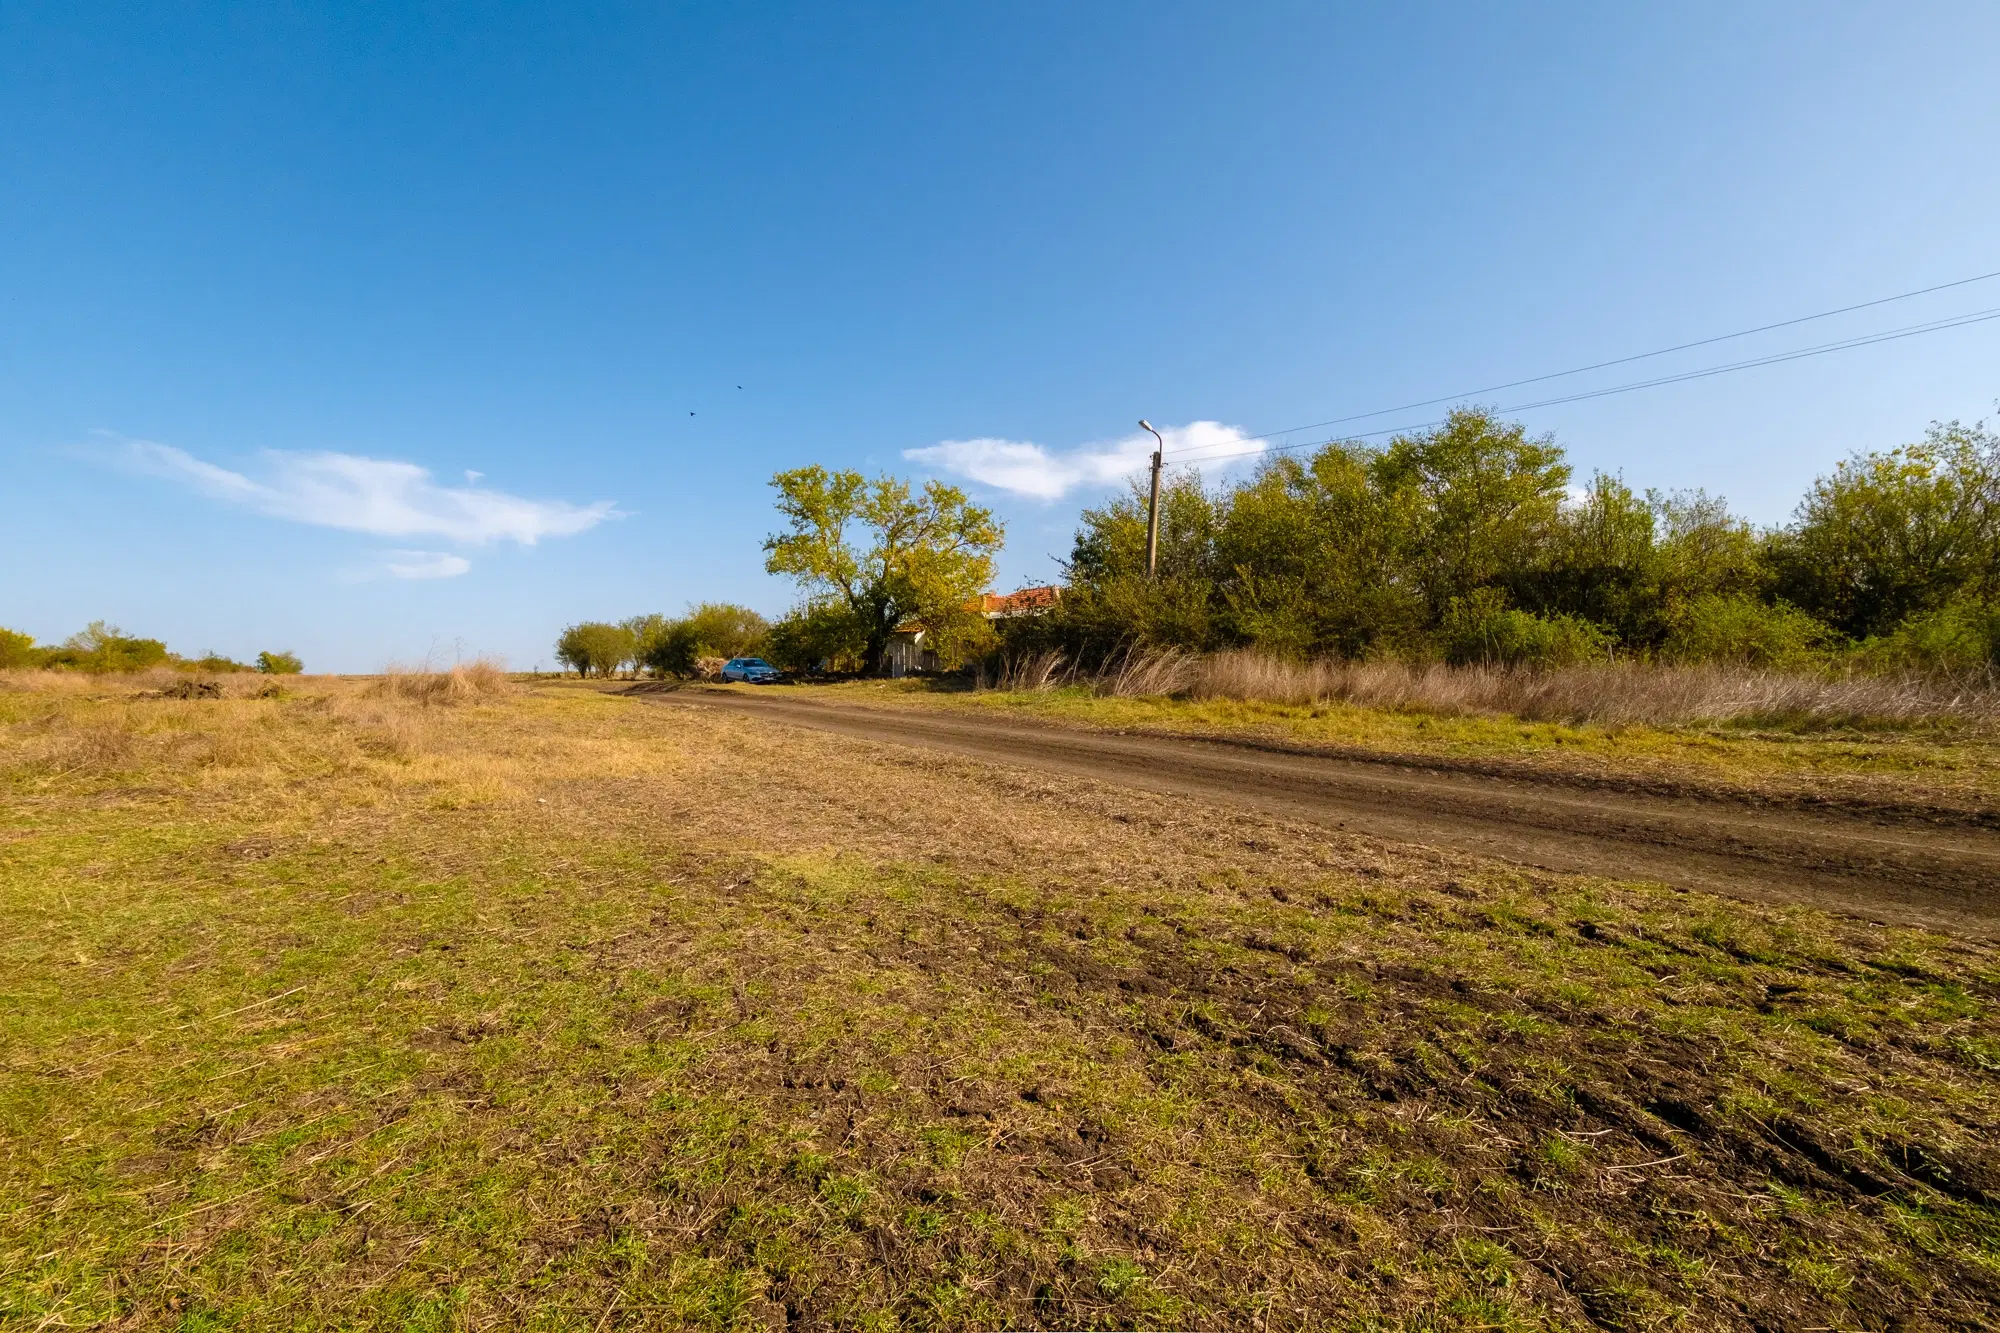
(439, 1003)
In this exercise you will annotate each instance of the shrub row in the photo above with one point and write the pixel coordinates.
(102, 647)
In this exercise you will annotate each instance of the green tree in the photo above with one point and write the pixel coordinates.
(1480, 497)
(595, 647)
(101, 647)
(1702, 549)
(712, 629)
(649, 634)
(1313, 557)
(1600, 561)
(890, 555)
(824, 635)
(1111, 602)
(1892, 534)
(280, 664)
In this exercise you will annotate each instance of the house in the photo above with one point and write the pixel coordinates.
(908, 653)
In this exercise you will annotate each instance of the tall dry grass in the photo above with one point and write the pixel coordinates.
(1613, 694)
(56, 725)
(463, 682)
(81, 684)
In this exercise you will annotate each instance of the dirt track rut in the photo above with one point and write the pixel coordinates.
(1883, 869)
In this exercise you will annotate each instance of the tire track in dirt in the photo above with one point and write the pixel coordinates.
(1946, 878)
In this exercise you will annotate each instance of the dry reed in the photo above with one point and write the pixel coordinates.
(1614, 694)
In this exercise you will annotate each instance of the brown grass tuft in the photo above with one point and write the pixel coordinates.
(481, 679)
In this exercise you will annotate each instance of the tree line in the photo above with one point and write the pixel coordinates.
(1471, 542)
(101, 647)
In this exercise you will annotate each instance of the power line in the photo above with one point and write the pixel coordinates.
(1862, 340)
(1625, 360)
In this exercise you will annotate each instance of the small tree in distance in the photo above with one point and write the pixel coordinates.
(596, 647)
(925, 556)
(280, 664)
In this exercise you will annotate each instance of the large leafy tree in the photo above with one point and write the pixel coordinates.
(890, 554)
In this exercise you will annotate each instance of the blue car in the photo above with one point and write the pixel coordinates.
(751, 670)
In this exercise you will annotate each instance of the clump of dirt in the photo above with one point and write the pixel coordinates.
(187, 689)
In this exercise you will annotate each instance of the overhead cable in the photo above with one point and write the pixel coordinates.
(1198, 454)
(1623, 360)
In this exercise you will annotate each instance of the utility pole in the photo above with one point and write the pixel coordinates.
(1153, 507)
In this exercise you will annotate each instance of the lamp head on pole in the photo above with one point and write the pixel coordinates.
(1159, 452)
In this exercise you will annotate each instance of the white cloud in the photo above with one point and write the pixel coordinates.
(424, 565)
(1041, 473)
(373, 495)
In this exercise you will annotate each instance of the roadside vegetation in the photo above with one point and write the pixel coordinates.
(1469, 545)
(434, 1001)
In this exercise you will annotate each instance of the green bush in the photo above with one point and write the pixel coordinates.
(280, 664)
(101, 647)
(1960, 638)
(17, 649)
(1743, 631)
(1482, 628)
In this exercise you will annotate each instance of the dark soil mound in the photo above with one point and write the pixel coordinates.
(191, 689)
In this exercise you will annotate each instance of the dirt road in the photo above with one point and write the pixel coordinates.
(1884, 869)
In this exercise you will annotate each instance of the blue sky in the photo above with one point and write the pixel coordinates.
(384, 331)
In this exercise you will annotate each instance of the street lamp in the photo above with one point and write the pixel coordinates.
(1153, 507)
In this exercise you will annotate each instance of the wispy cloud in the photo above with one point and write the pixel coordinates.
(1041, 473)
(374, 495)
(420, 565)
(424, 564)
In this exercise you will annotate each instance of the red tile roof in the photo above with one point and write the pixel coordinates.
(1026, 602)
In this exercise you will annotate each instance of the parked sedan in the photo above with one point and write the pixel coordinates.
(753, 670)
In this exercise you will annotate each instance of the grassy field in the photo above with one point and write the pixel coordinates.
(1947, 765)
(368, 1005)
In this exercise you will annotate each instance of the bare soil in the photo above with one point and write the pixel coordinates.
(1904, 864)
